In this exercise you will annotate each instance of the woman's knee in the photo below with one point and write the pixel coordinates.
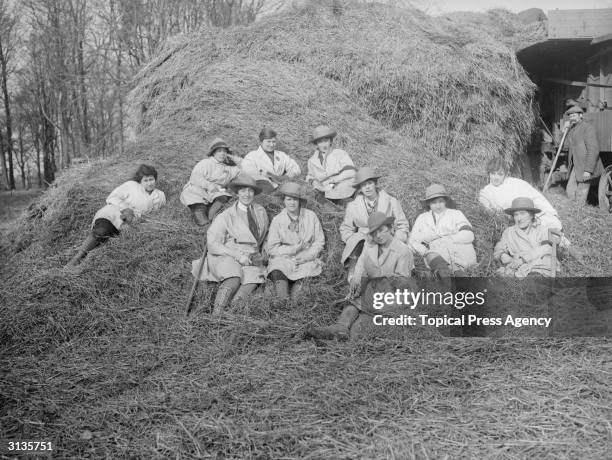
(103, 229)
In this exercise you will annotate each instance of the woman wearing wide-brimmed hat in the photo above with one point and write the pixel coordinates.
(125, 204)
(385, 265)
(206, 192)
(524, 249)
(295, 241)
(442, 235)
(330, 171)
(369, 199)
(235, 239)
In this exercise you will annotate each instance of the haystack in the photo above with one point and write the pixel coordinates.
(103, 362)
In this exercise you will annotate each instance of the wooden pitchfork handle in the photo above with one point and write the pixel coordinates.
(554, 163)
(555, 237)
(196, 281)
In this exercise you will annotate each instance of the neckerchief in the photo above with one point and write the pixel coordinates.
(370, 205)
(294, 225)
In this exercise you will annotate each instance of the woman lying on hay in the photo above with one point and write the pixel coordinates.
(234, 241)
(295, 241)
(524, 249)
(385, 265)
(370, 198)
(443, 236)
(330, 171)
(126, 203)
(206, 192)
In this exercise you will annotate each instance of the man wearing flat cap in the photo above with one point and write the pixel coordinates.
(583, 157)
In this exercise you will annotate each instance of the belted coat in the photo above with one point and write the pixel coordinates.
(354, 226)
(515, 241)
(282, 243)
(453, 237)
(229, 237)
(208, 181)
(336, 187)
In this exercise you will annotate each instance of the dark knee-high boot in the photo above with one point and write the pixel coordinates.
(297, 290)
(199, 214)
(340, 329)
(215, 208)
(281, 288)
(440, 267)
(244, 291)
(226, 291)
(90, 243)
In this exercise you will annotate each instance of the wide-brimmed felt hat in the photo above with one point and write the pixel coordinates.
(574, 109)
(322, 131)
(377, 219)
(364, 174)
(437, 191)
(218, 143)
(291, 189)
(522, 204)
(244, 181)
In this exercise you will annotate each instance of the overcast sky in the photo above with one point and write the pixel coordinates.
(442, 6)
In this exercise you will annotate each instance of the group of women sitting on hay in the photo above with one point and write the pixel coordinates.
(244, 248)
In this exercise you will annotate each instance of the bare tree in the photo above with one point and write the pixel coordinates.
(7, 44)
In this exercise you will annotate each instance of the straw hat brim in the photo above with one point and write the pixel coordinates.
(331, 135)
(235, 186)
(357, 184)
(388, 221)
(450, 203)
(220, 146)
(511, 211)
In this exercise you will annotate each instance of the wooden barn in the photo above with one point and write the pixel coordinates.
(575, 62)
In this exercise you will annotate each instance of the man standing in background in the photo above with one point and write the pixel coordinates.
(583, 157)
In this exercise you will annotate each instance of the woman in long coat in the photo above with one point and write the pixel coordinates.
(295, 241)
(206, 192)
(126, 203)
(330, 171)
(524, 249)
(235, 240)
(385, 265)
(370, 198)
(443, 236)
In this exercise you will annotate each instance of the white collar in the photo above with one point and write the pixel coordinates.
(242, 207)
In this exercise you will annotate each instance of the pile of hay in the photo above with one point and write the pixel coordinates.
(103, 362)
(452, 85)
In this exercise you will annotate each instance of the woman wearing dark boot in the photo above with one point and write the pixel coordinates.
(370, 198)
(234, 242)
(206, 192)
(443, 236)
(127, 202)
(295, 241)
(385, 265)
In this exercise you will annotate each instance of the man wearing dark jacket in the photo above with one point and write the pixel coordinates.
(583, 159)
